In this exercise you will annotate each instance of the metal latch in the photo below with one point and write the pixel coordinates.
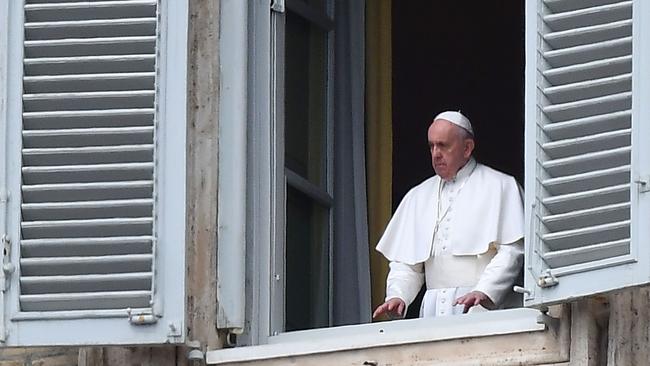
(145, 318)
(644, 183)
(547, 279)
(277, 5)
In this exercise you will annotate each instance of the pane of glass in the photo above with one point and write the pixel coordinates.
(305, 99)
(307, 263)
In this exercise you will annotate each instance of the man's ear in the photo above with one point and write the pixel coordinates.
(469, 148)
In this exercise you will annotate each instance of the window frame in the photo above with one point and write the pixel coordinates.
(267, 173)
(321, 196)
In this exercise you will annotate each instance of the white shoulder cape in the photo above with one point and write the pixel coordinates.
(488, 210)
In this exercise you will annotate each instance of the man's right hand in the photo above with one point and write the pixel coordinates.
(394, 307)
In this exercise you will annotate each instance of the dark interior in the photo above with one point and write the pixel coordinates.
(457, 55)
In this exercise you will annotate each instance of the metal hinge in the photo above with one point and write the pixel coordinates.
(644, 184)
(547, 279)
(7, 267)
(277, 5)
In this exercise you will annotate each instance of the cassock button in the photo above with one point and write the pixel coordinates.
(442, 301)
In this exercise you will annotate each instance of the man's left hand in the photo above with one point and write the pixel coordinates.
(474, 298)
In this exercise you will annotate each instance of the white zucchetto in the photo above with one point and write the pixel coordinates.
(456, 118)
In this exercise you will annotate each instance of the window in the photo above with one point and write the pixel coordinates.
(94, 134)
(586, 170)
(305, 67)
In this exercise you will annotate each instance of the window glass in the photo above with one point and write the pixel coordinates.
(307, 263)
(305, 99)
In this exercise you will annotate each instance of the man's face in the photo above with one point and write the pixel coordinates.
(450, 148)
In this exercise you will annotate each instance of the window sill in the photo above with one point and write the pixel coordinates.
(400, 332)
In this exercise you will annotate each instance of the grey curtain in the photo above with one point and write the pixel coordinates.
(351, 275)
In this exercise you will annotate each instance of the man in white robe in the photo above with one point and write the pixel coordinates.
(459, 232)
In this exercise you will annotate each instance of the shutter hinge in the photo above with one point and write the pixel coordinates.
(547, 279)
(144, 318)
(277, 5)
(644, 184)
(7, 267)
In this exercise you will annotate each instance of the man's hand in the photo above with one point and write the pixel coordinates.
(394, 307)
(474, 298)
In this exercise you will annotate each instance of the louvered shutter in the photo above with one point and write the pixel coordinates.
(98, 212)
(584, 123)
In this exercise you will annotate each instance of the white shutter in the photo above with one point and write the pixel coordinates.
(97, 211)
(582, 114)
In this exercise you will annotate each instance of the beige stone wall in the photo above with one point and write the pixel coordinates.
(39, 356)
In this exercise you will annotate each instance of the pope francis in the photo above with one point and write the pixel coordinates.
(459, 232)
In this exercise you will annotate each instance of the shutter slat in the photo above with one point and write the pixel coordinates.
(86, 283)
(87, 191)
(591, 216)
(589, 107)
(70, 247)
(127, 226)
(89, 82)
(88, 95)
(89, 64)
(587, 199)
(589, 125)
(589, 88)
(140, 135)
(585, 236)
(108, 113)
(87, 209)
(88, 131)
(91, 28)
(589, 253)
(85, 301)
(587, 181)
(583, 163)
(556, 6)
(587, 144)
(589, 52)
(589, 34)
(588, 16)
(89, 100)
(588, 70)
(88, 4)
(104, 264)
(92, 154)
(112, 41)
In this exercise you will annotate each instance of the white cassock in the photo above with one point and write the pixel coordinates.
(458, 236)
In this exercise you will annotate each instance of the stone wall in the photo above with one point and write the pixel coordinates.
(39, 356)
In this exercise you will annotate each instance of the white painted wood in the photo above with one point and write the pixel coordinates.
(98, 170)
(231, 211)
(5, 117)
(582, 130)
(262, 177)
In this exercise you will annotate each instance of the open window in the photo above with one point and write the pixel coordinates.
(92, 173)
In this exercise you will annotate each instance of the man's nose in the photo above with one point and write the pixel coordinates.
(436, 152)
